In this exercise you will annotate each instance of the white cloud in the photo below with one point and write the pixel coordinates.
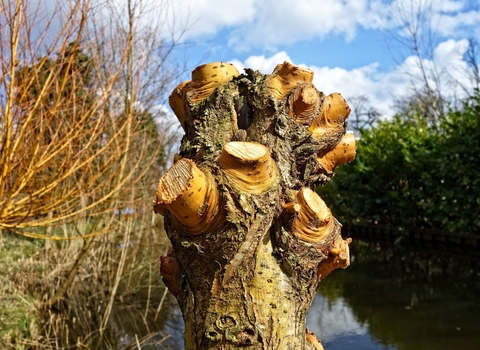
(204, 17)
(383, 88)
(449, 51)
(332, 319)
(364, 80)
(270, 24)
(458, 23)
(279, 22)
(352, 82)
(261, 63)
(453, 5)
(444, 18)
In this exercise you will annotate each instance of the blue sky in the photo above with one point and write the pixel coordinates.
(345, 42)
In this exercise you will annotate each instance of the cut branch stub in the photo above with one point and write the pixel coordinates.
(291, 208)
(304, 104)
(176, 100)
(344, 152)
(192, 197)
(338, 257)
(207, 77)
(249, 166)
(171, 273)
(311, 338)
(332, 118)
(340, 109)
(285, 77)
(314, 221)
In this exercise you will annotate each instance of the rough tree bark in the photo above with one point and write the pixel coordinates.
(251, 240)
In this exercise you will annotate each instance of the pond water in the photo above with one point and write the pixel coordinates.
(398, 298)
(391, 297)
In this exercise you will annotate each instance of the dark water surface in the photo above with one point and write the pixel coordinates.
(395, 297)
(391, 297)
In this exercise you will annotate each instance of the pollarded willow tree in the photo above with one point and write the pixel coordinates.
(251, 240)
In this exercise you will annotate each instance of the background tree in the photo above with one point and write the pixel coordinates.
(410, 174)
(415, 38)
(57, 140)
(400, 171)
(412, 41)
(471, 57)
(363, 114)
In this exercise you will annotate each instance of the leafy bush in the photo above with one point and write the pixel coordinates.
(409, 174)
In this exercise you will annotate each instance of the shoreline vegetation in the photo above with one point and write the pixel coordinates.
(409, 173)
(18, 315)
(118, 274)
(83, 142)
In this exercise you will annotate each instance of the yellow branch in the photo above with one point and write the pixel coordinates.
(7, 124)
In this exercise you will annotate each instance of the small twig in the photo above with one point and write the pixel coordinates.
(149, 289)
(161, 303)
(138, 343)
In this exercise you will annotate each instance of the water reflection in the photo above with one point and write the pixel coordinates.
(335, 323)
(133, 327)
(398, 298)
(390, 298)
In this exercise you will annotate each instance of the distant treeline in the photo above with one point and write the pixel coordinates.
(412, 173)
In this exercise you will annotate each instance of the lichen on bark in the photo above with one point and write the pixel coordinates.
(247, 278)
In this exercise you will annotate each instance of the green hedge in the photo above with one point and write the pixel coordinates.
(413, 175)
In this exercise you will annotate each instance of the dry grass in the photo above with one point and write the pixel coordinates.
(79, 145)
(111, 303)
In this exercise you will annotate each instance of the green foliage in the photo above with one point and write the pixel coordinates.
(18, 316)
(409, 174)
(71, 72)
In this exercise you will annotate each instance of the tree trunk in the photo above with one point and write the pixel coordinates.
(251, 240)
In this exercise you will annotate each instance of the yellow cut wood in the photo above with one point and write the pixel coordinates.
(285, 77)
(314, 221)
(304, 103)
(332, 118)
(249, 166)
(207, 77)
(192, 197)
(343, 153)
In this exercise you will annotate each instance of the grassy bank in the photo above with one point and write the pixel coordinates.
(18, 313)
(112, 300)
